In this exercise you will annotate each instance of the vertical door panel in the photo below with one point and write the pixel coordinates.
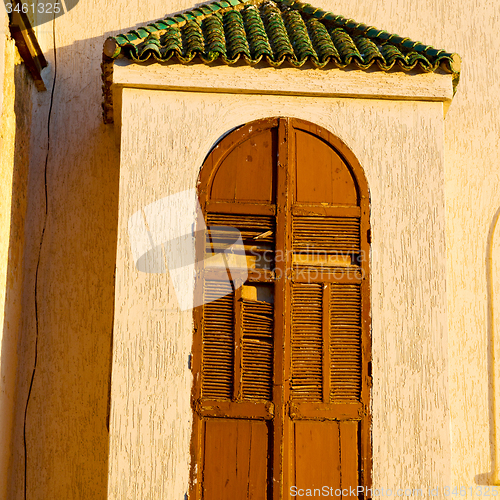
(246, 174)
(321, 175)
(317, 455)
(235, 461)
(349, 452)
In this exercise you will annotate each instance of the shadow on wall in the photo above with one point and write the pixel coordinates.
(66, 418)
(16, 130)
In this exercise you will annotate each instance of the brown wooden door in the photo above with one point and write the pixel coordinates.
(282, 349)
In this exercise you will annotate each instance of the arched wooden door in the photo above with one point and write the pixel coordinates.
(281, 357)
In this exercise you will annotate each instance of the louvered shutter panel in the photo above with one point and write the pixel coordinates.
(257, 376)
(313, 236)
(345, 343)
(250, 226)
(307, 342)
(327, 234)
(257, 233)
(257, 322)
(218, 341)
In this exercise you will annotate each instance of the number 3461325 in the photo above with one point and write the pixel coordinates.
(40, 8)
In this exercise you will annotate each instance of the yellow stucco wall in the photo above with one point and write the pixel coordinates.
(66, 419)
(7, 124)
(15, 124)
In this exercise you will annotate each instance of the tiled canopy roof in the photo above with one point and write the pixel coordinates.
(274, 33)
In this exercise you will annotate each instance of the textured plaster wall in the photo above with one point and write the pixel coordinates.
(151, 416)
(16, 88)
(493, 325)
(65, 337)
(66, 431)
(7, 127)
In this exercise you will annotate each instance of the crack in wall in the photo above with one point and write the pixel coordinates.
(39, 257)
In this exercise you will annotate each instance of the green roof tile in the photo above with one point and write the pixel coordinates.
(236, 39)
(281, 31)
(171, 42)
(345, 46)
(142, 32)
(299, 37)
(121, 40)
(256, 35)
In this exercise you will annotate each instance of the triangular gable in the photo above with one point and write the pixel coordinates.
(274, 33)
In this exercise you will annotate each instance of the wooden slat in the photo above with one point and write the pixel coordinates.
(236, 460)
(345, 343)
(307, 342)
(235, 409)
(323, 259)
(281, 424)
(218, 341)
(326, 411)
(219, 274)
(349, 456)
(305, 274)
(261, 275)
(240, 208)
(317, 456)
(326, 210)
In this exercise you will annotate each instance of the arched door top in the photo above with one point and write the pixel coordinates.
(241, 167)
